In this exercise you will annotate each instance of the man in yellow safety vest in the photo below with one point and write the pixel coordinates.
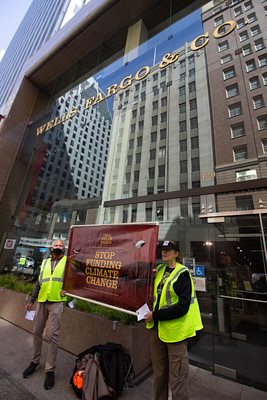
(50, 295)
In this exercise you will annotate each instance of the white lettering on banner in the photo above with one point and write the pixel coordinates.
(35, 242)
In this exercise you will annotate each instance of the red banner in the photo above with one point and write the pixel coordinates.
(112, 264)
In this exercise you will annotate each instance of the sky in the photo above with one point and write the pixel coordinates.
(12, 13)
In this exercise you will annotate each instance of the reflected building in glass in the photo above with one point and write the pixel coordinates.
(71, 164)
(162, 142)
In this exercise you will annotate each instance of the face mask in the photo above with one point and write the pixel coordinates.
(57, 251)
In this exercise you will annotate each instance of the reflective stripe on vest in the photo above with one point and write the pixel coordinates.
(183, 327)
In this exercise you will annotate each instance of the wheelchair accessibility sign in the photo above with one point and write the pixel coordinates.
(199, 271)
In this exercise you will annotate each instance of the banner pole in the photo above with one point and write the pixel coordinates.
(102, 304)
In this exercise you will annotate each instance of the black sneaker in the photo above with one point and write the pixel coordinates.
(31, 368)
(49, 380)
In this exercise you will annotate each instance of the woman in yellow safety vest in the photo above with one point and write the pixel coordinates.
(175, 318)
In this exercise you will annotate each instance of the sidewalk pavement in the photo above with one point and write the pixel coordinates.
(15, 350)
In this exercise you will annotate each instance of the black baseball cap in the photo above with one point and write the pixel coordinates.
(167, 245)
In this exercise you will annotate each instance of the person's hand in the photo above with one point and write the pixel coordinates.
(149, 317)
(63, 293)
(28, 307)
(155, 271)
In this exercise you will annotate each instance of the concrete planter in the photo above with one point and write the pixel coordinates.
(80, 330)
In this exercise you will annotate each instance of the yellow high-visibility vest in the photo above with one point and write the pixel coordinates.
(175, 330)
(51, 284)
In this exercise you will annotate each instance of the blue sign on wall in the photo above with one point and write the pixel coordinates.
(199, 271)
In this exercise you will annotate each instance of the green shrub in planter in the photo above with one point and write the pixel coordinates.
(10, 281)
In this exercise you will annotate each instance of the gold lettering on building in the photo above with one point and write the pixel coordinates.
(141, 74)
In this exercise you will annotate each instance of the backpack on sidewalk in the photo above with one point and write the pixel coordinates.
(115, 364)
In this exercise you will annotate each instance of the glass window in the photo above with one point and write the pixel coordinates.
(246, 50)
(254, 83)
(234, 110)
(155, 105)
(194, 143)
(137, 158)
(240, 23)
(151, 172)
(139, 141)
(182, 108)
(193, 104)
(243, 36)
(237, 11)
(127, 177)
(183, 145)
(152, 154)
(232, 91)
(192, 87)
(161, 171)
(162, 151)
(136, 176)
(255, 30)
(163, 117)
(237, 130)
(264, 78)
(182, 126)
(240, 153)
(248, 5)
(153, 137)
(163, 134)
(195, 164)
(163, 101)
(226, 59)
(263, 60)
(154, 120)
(229, 73)
(155, 90)
(244, 203)
(182, 91)
(259, 44)
(223, 46)
(252, 18)
(159, 213)
(149, 214)
(258, 102)
(131, 144)
(262, 122)
(250, 65)
(193, 123)
(264, 145)
(150, 190)
(246, 175)
(218, 21)
(129, 160)
(183, 167)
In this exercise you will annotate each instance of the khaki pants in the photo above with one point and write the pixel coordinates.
(170, 364)
(47, 314)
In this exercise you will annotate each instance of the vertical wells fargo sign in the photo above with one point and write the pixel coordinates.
(112, 264)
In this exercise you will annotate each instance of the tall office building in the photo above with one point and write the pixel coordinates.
(41, 20)
(237, 61)
(161, 141)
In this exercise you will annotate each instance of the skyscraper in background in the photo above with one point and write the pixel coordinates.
(43, 18)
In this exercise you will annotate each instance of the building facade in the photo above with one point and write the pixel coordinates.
(153, 111)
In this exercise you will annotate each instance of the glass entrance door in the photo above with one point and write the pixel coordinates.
(238, 261)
